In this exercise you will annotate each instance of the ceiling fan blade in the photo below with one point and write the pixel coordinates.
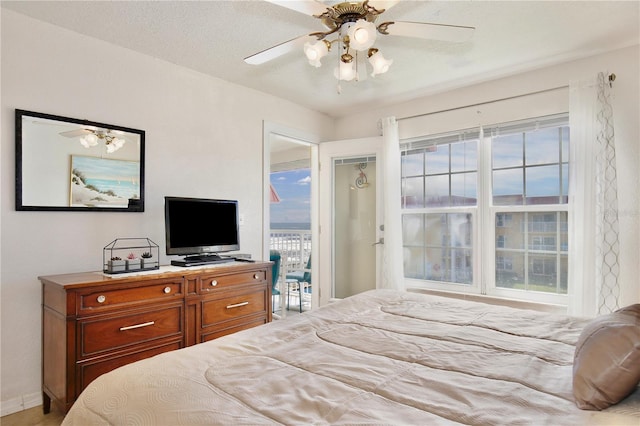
(309, 7)
(278, 50)
(443, 32)
(75, 133)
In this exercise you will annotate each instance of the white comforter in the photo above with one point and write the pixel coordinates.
(381, 357)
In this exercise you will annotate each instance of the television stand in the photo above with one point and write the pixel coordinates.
(201, 259)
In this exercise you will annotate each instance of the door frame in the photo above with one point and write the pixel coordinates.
(269, 129)
(328, 152)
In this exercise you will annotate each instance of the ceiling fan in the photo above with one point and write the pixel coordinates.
(113, 139)
(354, 24)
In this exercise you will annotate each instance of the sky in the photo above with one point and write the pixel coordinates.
(294, 189)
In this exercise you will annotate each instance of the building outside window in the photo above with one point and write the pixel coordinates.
(485, 210)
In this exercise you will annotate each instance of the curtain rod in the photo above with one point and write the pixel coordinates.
(611, 77)
(484, 103)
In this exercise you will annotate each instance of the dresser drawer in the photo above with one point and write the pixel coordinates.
(217, 311)
(213, 282)
(105, 298)
(114, 333)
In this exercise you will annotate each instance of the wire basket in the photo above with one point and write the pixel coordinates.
(124, 255)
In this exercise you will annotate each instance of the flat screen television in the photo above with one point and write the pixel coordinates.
(200, 229)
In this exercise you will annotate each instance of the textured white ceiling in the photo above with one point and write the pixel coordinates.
(213, 37)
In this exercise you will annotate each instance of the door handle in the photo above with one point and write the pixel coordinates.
(380, 241)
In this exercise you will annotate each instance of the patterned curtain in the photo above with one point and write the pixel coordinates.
(593, 237)
(607, 241)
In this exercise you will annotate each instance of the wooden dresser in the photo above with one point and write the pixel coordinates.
(93, 323)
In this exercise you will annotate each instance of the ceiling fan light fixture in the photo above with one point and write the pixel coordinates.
(119, 143)
(111, 149)
(362, 34)
(316, 51)
(345, 71)
(114, 145)
(89, 140)
(378, 62)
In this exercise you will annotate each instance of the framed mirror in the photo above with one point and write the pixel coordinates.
(67, 164)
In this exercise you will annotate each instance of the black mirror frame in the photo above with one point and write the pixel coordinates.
(137, 206)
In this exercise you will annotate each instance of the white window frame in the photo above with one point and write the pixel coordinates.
(483, 219)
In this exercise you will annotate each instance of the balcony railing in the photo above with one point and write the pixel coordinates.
(294, 247)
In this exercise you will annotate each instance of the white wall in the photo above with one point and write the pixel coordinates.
(203, 139)
(625, 63)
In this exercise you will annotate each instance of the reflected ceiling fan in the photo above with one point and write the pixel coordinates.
(113, 139)
(353, 25)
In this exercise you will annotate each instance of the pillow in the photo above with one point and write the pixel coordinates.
(606, 364)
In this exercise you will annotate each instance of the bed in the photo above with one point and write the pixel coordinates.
(380, 357)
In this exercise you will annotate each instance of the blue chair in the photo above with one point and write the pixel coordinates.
(276, 258)
(300, 281)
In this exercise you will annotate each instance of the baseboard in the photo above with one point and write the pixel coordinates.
(32, 400)
(20, 403)
(11, 406)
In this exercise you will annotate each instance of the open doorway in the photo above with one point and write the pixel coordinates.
(290, 214)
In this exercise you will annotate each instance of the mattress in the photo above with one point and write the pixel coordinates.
(380, 357)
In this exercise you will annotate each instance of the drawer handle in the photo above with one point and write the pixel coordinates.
(131, 327)
(101, 298)
(214, 283)
(237, 305)
(167, 289)
(256, 276)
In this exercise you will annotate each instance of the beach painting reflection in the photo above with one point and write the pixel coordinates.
(101, 182)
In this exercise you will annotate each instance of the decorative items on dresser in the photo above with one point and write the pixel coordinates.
(124, 255)
(94, 323)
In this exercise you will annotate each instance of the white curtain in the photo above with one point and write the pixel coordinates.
(593, 234)
(392, 266)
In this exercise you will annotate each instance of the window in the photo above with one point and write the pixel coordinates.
(440, 248)
(485, 210)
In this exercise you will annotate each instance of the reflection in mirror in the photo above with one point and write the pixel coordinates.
(66, 164)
